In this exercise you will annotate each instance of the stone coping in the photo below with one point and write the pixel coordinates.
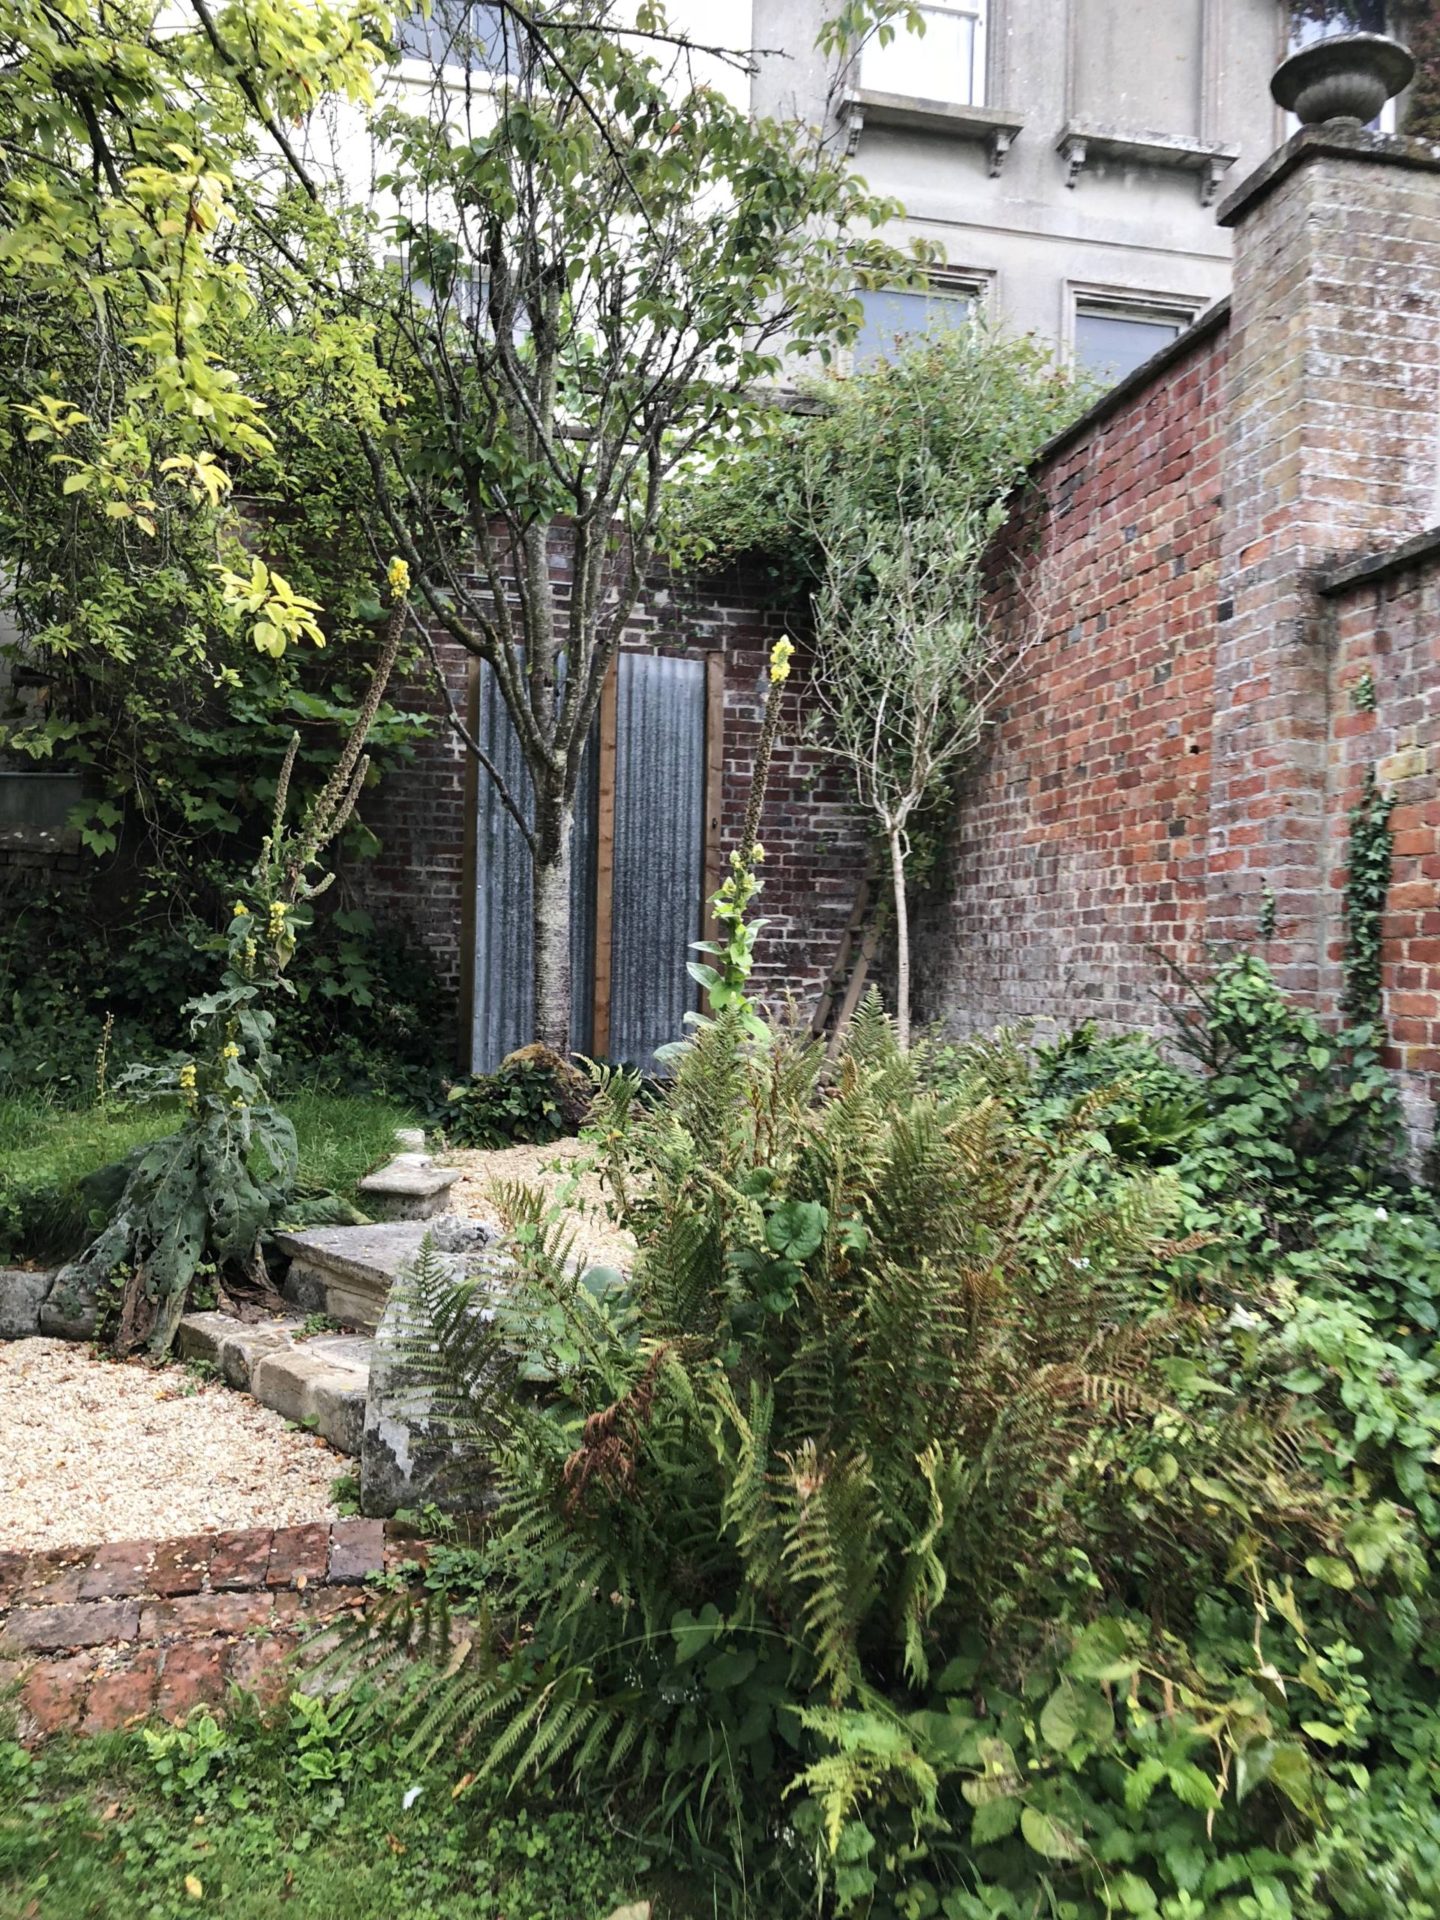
(1330, 141)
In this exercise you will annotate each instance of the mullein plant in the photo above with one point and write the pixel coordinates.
(726, 981)
(206, 1193)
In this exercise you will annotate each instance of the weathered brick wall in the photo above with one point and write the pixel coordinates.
(1385, 713)
(813, 843)
(1079, 840)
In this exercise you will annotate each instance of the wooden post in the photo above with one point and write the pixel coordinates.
(839, 972)
(605, 861)
(713, 858)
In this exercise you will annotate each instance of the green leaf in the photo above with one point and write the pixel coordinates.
(1335, 1573)
(994, 1820)
(1048, 1837)
(1074, 1714)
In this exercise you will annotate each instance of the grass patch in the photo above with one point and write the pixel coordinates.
(288, 1815)
(46, 1150)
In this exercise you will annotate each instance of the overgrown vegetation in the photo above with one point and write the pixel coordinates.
(208, 1192)
(1005, 1484)
(292, 1813)
(51, 1204)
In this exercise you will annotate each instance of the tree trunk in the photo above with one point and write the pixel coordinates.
(902, 937)
(554, 841)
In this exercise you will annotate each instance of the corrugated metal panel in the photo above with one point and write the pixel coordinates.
(503, 1016)
(659, 839)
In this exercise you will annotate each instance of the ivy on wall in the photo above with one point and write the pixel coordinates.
(1367, 883)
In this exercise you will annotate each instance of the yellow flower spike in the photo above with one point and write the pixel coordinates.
(397, 578)
(780, 655)
(242, 912)
(757, 853)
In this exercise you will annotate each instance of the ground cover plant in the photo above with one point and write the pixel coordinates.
(955, 1511)
(287, 1812)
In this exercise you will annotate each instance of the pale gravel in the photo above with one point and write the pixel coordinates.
(598, 1241)
(92, 1450)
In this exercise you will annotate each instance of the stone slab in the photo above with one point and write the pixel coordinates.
(411, 1187)
(307, 1389)
(233, 1347)
(22, 1294)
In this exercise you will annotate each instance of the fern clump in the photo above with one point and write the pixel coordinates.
(896, 1530)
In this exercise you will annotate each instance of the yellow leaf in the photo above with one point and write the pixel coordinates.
(465, 1781)
(194, 1886)
(118, 510)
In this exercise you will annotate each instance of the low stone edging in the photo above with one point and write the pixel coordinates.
(105, 1637)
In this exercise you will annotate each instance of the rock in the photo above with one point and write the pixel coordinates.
(71, 1308)
(22, 1294)
(348, 1272)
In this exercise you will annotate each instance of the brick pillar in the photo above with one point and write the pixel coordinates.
(1332, 430)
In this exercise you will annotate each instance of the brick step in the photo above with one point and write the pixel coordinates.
(98, 1638)
(320, 1382)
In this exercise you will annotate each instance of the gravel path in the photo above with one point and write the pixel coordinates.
(598, 1240)
(93, 1451)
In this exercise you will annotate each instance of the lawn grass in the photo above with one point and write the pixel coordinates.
(45, 1150)
(276, 1818)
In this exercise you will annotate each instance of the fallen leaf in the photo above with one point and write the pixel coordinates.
(396, 1846)
(302, 1580)
(194, 1886)
(112, 1812)
(465, 1781)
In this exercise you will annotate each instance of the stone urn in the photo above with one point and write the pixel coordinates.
(1346, 79)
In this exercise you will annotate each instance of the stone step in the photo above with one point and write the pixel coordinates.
(409, 1187)
(348, 1272)
(319, 1381)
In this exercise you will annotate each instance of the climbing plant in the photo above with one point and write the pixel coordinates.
(1367, 883)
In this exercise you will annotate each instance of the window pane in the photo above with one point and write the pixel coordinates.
(946, 62)
(457, 35)
(894, 313)
(1111, 345)
(42, 800)
(1359, 16)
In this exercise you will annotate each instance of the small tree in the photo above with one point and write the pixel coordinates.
(882, 505)
(598, 266)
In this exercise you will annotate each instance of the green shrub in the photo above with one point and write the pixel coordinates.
(533, 1097)
(368, 1014)
(898, 1538)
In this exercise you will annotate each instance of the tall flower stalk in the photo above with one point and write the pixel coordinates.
(726, 982)
(207, 1192)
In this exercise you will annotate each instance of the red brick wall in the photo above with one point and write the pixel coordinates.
(1080, 839)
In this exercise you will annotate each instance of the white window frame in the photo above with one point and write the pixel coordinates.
(1123, 303)
(872, 75)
